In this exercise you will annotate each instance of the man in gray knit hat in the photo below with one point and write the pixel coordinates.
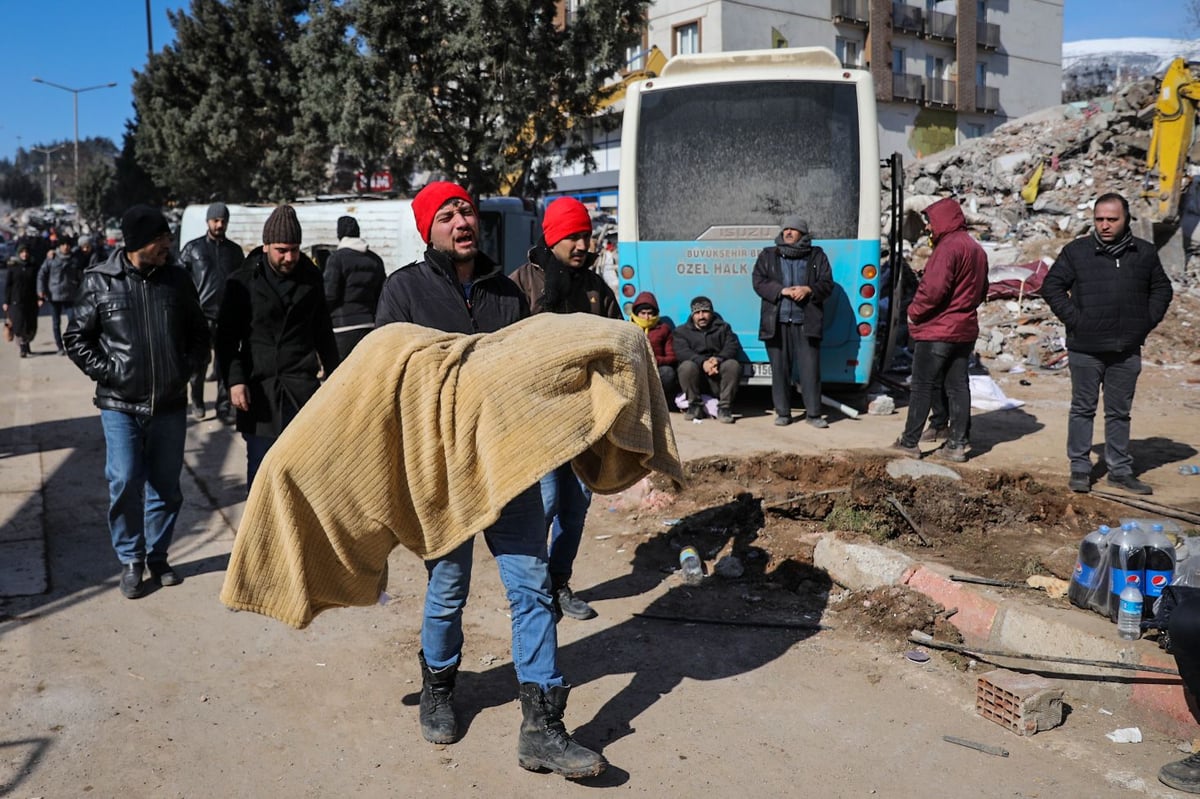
(272, 327)
(210, 259)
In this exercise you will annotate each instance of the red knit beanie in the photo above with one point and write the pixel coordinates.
(565, 216)
(431, 198)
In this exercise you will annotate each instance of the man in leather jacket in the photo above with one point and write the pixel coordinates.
(210, 260)
(139, 333)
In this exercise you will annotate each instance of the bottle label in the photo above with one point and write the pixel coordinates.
(1132, 608)
(1156, 581)
(1122, 578)
(1087, 576)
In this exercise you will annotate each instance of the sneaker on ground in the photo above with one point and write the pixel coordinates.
(1080, 482)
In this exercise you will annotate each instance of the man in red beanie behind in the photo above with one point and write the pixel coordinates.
(458, 289)
(559, 279)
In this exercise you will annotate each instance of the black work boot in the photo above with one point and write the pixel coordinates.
(1182, 775)
(544, 742)
(132, 586)
(569, 605)
(438, 724)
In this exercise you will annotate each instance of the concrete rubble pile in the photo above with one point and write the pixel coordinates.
(1083, 150)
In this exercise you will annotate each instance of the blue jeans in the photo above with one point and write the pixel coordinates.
(143, 458)
(565, 500)
(58, 308)
(1118, 373)
(257, 446)
(518, 542)
(940, 366)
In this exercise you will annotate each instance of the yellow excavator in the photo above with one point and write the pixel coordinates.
(608, 96)
(1171, 146)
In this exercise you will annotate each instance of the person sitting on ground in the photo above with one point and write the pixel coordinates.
(707, 349)
(662, 342)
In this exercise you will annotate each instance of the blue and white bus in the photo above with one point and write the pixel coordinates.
(714, 152)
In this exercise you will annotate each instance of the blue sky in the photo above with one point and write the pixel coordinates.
(80, 43)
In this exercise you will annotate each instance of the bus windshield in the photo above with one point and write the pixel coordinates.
(745, 153)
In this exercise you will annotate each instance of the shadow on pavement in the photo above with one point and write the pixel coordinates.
(708, 632)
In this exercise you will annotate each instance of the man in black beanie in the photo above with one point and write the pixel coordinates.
(353, 282)
(272, 327)
(140, 334)
(210, 259)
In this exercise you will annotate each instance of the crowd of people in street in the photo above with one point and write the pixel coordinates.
(270, 326)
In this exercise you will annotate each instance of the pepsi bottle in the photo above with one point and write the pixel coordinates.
(1160, 566)
(1089, 578)
(1127, 564)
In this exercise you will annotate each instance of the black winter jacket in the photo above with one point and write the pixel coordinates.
(767, 279)
(428, 293)
(1107, 304)
(697, 346)
(210, 263)
(353, 282)
(271, 347)
(140, 336)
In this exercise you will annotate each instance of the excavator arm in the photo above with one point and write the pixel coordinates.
(1171, 139)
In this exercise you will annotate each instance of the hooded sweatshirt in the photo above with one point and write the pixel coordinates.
(954, 283)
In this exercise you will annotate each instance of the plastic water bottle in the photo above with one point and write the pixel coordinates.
(1129, 618)
(1160, 565)
(1089, 577)
(1126, 564)
(1189, 468)
(690, 566)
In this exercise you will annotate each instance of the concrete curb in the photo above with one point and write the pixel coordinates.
(994, 619)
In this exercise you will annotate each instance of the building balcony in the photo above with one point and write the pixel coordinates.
(987, 98)
(852, 12)
(941, 26)
(907, 88)
(987, 35)
(940, 93)
(907, 18)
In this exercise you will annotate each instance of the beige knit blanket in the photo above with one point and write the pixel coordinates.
(420, 438)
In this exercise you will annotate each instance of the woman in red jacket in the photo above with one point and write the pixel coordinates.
(645, 316)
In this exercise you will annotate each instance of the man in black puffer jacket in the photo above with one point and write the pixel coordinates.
(1110, 291)
(139, 333)
(353, 281)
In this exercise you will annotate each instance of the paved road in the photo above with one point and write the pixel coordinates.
(172, 695)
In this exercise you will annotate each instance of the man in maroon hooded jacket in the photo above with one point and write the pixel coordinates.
(943, 324)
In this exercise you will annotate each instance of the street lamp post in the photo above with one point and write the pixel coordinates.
(75, 93)
(47, 151)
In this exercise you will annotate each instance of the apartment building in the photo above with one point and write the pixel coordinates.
(944, 70)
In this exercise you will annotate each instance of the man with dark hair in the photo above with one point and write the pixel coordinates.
(139, 333)
(1110, 290)
(794, 279)
(210, 260)
(353, 281)
(559, 279)
(458, 289)
(707, 349)
(943, 322)
(273, 335)
(58, 281)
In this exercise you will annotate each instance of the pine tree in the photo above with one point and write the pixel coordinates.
(486, 91)
(218, 109)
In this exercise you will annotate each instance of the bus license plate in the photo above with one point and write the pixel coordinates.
(760, 370)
